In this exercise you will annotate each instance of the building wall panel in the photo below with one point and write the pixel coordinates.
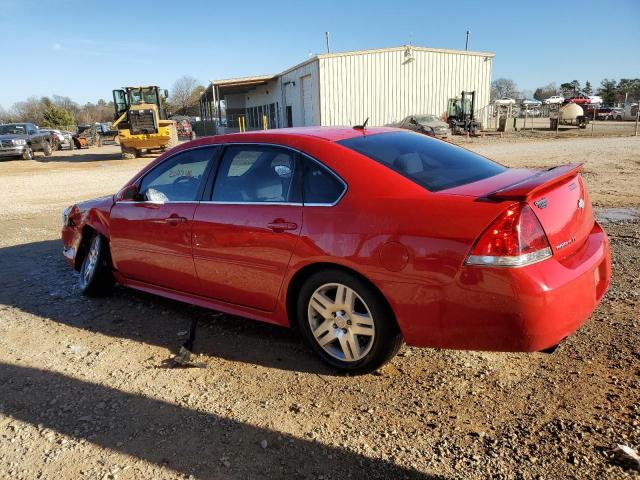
(385, 87)
(291, 92)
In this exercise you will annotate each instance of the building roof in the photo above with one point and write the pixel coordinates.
(240, 84)
(243, 82)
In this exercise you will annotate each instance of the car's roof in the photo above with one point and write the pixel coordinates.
(332, 134)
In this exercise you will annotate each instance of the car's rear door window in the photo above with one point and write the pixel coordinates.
(178, 178)
(319, 185)
(431, 163)
(255, 174)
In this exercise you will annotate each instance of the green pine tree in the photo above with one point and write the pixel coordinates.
(56, 117)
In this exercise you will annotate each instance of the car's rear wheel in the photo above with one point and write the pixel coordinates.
(96, 278)
(346, 322)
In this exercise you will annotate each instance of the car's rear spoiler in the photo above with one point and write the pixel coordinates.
(530, 186)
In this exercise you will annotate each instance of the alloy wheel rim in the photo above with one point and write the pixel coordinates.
(341, 322)
(92, 260)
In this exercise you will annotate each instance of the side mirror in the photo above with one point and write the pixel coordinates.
(130, 194)
(166, 94)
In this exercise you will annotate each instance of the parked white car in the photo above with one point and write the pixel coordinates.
(595, 99)
(505, 101)
(554, 99)
(531, 102)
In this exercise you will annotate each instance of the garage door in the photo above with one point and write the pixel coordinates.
(307, 103)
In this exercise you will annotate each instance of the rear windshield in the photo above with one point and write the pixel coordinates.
(433, 164)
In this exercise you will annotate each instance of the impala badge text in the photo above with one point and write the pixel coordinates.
(560, 246)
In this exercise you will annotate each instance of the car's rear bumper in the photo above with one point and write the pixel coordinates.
(522, 309)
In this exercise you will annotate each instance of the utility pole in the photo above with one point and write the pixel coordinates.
(326, 34)
(466, 45)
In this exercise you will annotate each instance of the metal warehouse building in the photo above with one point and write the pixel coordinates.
(383, 85)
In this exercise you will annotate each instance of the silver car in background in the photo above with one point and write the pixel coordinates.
(63, 140)
(427, 124)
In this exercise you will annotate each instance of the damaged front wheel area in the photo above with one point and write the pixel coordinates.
(96, 278)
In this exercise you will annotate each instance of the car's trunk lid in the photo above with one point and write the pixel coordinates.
(557, 196)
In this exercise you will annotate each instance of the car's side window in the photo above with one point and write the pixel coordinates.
(178, 178)
(255, 173)
(319, 185)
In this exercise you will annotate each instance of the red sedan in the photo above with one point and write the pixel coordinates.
(359, 238)
(579, 99)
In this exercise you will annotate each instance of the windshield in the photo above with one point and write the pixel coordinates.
(427, 119)
(13, 129)
(143, 95)
(135, 97)
(150, 95)
(431, 163)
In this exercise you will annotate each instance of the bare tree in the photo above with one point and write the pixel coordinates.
(5, 117)
(100, 112)
(29, 110)
(525, 94)
(66, 103)
(33, 110)
(183, 96)
(546, 91)
(503, 87)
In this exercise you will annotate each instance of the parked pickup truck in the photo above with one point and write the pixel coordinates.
(22, 140)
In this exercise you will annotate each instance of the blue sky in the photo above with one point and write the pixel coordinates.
(84, 49)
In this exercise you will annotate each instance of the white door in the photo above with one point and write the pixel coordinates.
(307, 102)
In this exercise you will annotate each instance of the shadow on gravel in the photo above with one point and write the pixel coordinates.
(184, 440)
(35, 278)
(78, 156)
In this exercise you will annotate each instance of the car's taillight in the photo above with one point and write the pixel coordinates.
(514, 239)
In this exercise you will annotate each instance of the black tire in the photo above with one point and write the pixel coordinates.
(28, 153)
(129, 153)
(98, 281)
(47, 150)
(387, 339)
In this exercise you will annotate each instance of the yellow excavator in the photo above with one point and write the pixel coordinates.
(141, 121)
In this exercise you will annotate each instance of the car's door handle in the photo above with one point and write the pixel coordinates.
(175, 220)
(281, 226)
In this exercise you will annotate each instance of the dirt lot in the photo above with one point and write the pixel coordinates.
(84, 392)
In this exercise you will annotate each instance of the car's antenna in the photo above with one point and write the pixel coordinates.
(362, 127)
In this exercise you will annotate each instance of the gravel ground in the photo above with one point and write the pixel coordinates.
(85, 392)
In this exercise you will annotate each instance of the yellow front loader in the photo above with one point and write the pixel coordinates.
(141, 121)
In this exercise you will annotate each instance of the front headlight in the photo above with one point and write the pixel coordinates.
(66, 222)
(19, 141)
